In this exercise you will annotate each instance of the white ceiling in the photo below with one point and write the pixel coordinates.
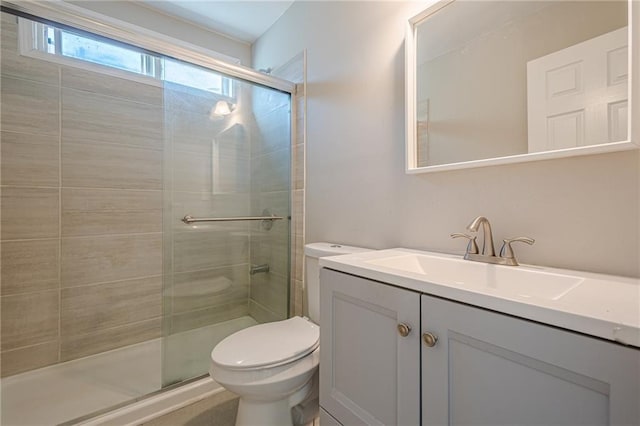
(240, 19)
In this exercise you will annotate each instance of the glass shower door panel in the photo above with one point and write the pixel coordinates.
(270, 191)
(211, 139)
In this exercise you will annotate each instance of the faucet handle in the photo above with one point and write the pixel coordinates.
(506, 251)
(472, 247)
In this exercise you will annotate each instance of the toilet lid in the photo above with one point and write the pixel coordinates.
(267, 344)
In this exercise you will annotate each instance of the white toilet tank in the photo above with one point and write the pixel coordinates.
(312, 253)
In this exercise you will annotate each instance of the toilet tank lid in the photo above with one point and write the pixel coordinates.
(330, 249)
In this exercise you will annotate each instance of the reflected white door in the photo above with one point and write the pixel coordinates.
(578, 96)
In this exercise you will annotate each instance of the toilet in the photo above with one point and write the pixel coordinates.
(271, 366)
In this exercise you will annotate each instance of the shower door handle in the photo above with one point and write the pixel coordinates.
(188, 219)
(267, 219)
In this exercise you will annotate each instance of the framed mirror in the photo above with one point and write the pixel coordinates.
(498, 82)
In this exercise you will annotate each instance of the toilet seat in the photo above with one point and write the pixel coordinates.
(270, 344)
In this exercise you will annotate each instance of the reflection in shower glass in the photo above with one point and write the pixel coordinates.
(222, 166)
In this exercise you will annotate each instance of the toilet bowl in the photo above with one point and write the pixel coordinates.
(272, 366)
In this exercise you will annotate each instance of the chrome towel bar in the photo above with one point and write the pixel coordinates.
(190, 219)
(267, 219)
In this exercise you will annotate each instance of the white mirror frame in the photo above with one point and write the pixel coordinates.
(410, 107)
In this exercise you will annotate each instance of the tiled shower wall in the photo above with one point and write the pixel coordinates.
(270, 189)
(83, 232)
(294, 70)
(81, 210)
(209, 178)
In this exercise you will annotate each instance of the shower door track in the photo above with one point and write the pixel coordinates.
(75, 16)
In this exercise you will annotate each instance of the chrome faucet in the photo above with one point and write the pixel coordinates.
(487, 238)
(488, 254)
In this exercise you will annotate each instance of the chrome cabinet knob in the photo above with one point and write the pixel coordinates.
(430, 339)
(404, 329)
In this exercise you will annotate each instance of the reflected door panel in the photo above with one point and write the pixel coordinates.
(578, 96)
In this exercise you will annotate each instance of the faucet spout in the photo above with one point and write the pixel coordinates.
(487, 240)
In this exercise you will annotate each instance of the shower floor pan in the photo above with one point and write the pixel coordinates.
(70, 390)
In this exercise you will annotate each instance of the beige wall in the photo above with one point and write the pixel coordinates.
(582, 211)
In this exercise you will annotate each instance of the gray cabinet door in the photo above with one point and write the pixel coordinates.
(492, 369)
(369, 373)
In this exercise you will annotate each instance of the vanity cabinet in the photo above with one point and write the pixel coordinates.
(493, 369)
(369, 372)
(461, 364)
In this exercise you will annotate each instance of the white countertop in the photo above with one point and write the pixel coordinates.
(605, 306)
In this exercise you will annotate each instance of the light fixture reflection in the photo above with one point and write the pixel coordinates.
(221, 109)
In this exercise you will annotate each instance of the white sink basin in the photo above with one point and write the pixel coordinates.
(520, 281)
(605, 306)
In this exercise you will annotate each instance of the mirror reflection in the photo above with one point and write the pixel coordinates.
(502, 78)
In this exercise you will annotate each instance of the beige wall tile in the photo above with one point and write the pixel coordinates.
(271, 247)
(83, 309)
(97, 119)
(104, 166)
(297, 212)
(298, 166)
(30, 160)
(262, 314)
(219, 245)
(107, 211)
(271, 291)
(29, 319)
(271, 172)
(213, 287)
(89, 81)
(29, 266)
(192, 172)
(186, 143)
(298, 255)
(266, 100)
(205, 204)
(16, 65)
(277, 202)
(73, 347)
(29, 107)
(298, 298)
(273, 128)
(29, 213)
(29, 358)
(204, 317)
(185, 98)
(88, 260)
(190, 126)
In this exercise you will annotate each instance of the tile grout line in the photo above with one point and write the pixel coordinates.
(91, 188)
(59, 334)
(85, 236)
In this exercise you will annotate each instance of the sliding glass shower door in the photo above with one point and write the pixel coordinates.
(107, 296)
(227, 158)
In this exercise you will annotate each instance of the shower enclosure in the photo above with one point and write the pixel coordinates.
(107, 295)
